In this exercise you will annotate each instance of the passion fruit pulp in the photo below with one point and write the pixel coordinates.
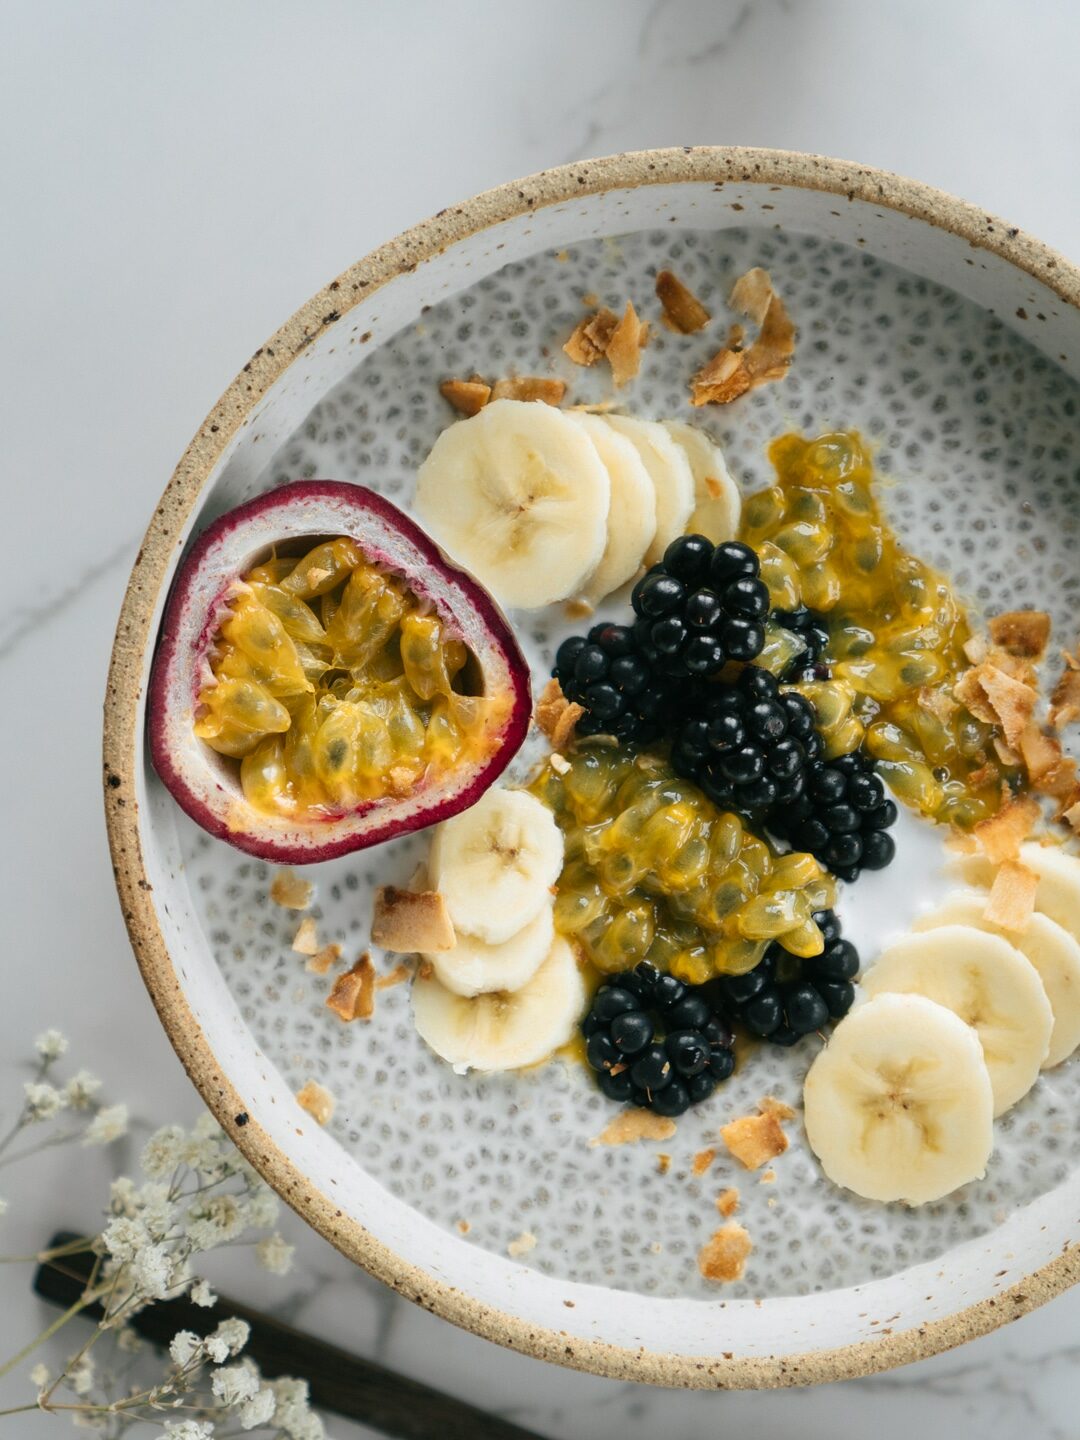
(326, 679)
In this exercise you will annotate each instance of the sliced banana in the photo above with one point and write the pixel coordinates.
(717, 500)
(519, 495)
(898, 1106)
(496, 863)
(669, 470)
(632, 515)
(474, 967)
(1050, 948)
(984, 980)
(1058, 894)
(503, 1031)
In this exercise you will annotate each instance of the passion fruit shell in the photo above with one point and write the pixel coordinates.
(207, 784)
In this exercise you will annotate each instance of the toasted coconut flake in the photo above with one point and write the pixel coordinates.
(768, 1177)
(1008, 757)
(630, 1126)
(317, 1101)
(1072, 816)
(1040, 752)
(754, 1140)
(397, 976)
(525, 1242)
(408, 921)
(289, 891)
(682, 308)
(591, 337)
(1012, 701)
(727, 1202)
(1025, 633)
(968, 690)
(306, 939)
(557, 716)
(1001, 836)
(723, 1257)
(734, 371)
(468, 397)
(464, 1227)
(770, 1105)
(628, 339)
(558, 763)
(985, 775)
(1065, 701)
(530, 387)
(321, 962)
(663, 1163)
(976, 648)
(353, 995)
(1012, 896)
(702, 1160)
(961, 843)
(1059, 781)
(938, 703)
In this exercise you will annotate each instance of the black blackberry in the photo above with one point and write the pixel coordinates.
(701, 606)
(812, 628)
(747, 744)
(841, 816)
(656, 1042)
(605, 673)
(784, 997)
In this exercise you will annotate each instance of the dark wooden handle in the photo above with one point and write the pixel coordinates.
(358, 1389)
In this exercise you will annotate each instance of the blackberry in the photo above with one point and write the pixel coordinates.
(701, 606)
(841, 817)
(605, 672)
(784, 997)
(656, 1042)
(812, 628)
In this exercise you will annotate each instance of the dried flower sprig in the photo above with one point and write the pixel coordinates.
(196, 1194)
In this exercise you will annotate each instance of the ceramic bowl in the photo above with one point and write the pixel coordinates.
(953, 341)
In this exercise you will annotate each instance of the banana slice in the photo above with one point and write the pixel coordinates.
(717, 500)
(669, 470)
(1049, 947)
(518, 494)
(632, 516)
(1058, 894)
(473, 967)
(984, 980)
(496, 863)
(503, 1031)
(898, 1106)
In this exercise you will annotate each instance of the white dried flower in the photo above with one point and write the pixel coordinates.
(262, 1206)
(294, 1416)
(156, 1210)
(128, 1341)
(107, 1125)
(214, 1221)
(94, 1420)
(123, 1197)
(234, 1383)
(81, 1090)
(206, 1127)
(50, 1045)
(162, 1152)
(201, 1294)
(184, 1347)
(275, 1254)
(40, 1376)
(43, 1100)
(259, 1410)
(80, 1377)
(124, 1237)
(234, 1333)
(151, 1272)
(188, 1430)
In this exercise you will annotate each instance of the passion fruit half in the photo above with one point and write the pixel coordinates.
(326, 679)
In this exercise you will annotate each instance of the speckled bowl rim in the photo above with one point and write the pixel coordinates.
(151, 570)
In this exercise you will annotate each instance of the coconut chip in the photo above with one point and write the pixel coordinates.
(306, 939)
(353, 993)
(320, 963)
(1011, 701)
(1005, 753)
(290, 892)
(591, 337)
(734, 370)
(468, 397)
(1024, 633)
(723, 1257)
(630, 1126)
(1040, 752)
(317, 1101)
(557, 716)
(1001, 836)
(1072, 816)
(1012, 896)
(522, 1245)
(727, 1202)
(558, 763)
(702, 1160)
(1065, 701)
(530, 387)
(663, 1163)
(628, 339)
(408, 921)
(683, 311)
(1059, 781)
(938, 703)
(754, 1140)
(397, 976)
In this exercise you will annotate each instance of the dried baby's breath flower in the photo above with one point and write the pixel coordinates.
(81, 1090)
(50, 1045)
(317, 1101)
(275, 1254)
(41, 1101)
(468, 397)
(188, 1430)
(228, 1339)
(353, 994)
(234, 1383)
(288, 890)
(40, 1376)
(215, 1220)
(1012, 896)
(682, 309)
(306, 939)
(723, 1257)
(202, 1295)
(259, 1410)
(163, 1152)
(408, 921)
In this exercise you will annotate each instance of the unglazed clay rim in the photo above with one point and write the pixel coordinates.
(134, 635)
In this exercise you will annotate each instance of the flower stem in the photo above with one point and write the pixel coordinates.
(49, 1331)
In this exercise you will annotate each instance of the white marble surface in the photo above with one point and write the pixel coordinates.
(175, 180)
